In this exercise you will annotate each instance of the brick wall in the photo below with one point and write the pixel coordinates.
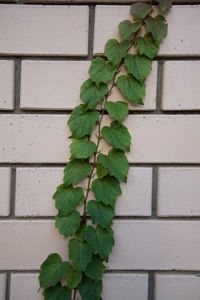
(45, 52)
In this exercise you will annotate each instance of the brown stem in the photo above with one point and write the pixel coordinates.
(75, 290)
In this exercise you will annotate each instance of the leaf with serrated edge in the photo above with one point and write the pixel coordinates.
(100, 213)
(115, 51)
(117, 135)
(117, 110)
(127, 28)
(82, 148)
(80, 233)
(106, 190)
(57, 292)
(116, 163)
(157, 26)
(52, 270)
(73, 278)
(95, 269)
(146, 45)
(79, 117)
(101, 171)
(165, 5)
(100, 240)
(67, 198)
(80, 254)
(75, 171)
(67, 225)
(131, 88)
(90, 289)
(101, 71)
(140, 10)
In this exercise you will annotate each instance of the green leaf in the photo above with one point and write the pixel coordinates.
(131, 88)
(101, 71)
(80, 254)
(117, 110)
(115, 51)
(82, 148)
(127, 28)
(92, 94)
(80, 233)
(79, 117)
(100, 240)
(52, 270)
(100, 213)
(157, 26)
(138, 66)
(57, 292)
(164, 5)
(96, 268)
(117, 135)
(73, 278)
(106, 190)
(140, 10)
(67, 225)
(116, 163)
(67, 198)
(146, 45)
(90, 289)
(101, 171)
(75, 171)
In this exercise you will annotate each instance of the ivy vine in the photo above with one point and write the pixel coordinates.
(90, 245)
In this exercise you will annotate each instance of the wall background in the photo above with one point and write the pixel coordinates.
(45, 53)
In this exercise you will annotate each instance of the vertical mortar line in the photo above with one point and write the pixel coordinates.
(12, 193)
(151, 286)
(154, 191)
(17, 86)
(91, 31)
(7, 296)
(159, 86)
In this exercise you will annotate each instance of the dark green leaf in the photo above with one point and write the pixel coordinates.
(90, 289)
(75, 171)
(67, 198)
(146, 45)
(117, 110)
(116, 163)
(115, 51)
(79, 117)
(164, 5)
(82, 148)
(138, 66)
(127, 28)
(157, 26)
(101, 71)
(117, 135)
(57, 292)
(131, 88)
(101, 171)
(80, 254)
(92, 94)
(67, 225)
(140, 10)
(80, 233)
(100, 240)
(96, 268)
(52, 270)
(100, 213)
(73, 278)
(106, 190)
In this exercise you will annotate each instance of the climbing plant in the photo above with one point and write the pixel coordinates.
(91, 242)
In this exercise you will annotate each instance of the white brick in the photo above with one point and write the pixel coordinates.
(2, 286)
(181, 85)
(5, 186)
(35, 187)
(181, 40)
(178, 192)
(43, 30)
(157, 139)
(7, 84)
(177, 287)
(134, 286)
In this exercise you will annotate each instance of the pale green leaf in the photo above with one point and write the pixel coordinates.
(82, 148)
(101, 71)
(57, 292)
(90, 289)
(75, 171)
(157, 26)
(165, 5)
(73, 278)
(68, 224)
(127, 28)
(100, 213)
(117, 110)
(115, 51)
(96, 268)
(80, 254)
(146, 45)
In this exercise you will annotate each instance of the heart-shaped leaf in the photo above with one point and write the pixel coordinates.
(115, 51)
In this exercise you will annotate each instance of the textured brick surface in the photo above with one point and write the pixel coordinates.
(177, 287)
(43, 30)
(178, 192)
(7, 84)
(5, 185)
(2, 286)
